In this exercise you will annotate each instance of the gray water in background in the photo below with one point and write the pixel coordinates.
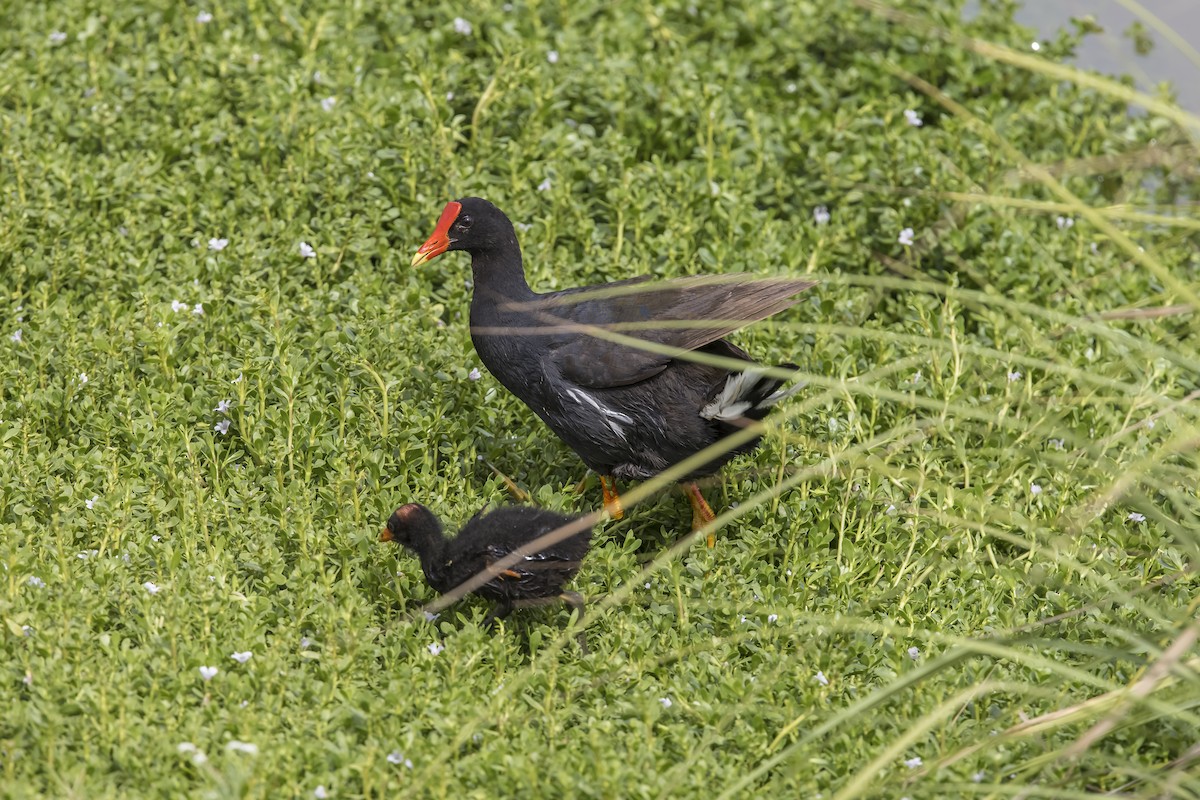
(1113, 53)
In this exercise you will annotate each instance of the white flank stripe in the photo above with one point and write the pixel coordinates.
(613, 419)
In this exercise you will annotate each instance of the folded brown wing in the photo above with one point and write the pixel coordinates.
(683, 314)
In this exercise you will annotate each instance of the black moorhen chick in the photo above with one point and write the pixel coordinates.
(628, 412)
(486, 538)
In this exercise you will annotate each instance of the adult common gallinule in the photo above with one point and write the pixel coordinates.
(628, 412)
(536, 579)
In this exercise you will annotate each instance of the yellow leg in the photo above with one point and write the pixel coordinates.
(612, 500)
(702, 514)
(516, 491)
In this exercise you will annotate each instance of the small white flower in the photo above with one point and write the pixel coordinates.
(1035, 46)
(821, 679)
(16, 335)
(1149, 423)
(242, 747)
(906, 237)
(208, 673)
(552, 56)
(28, 679)
(217, 245)
(434, 648)
(1015, 375)
(222, 407)
(244, 704)
(397, 758)
(83, 378)
(35, 581)
(151, 587)
(198, 309)
(430, 616)
(913, 118)
(914, 762)
(86, 554)
(91, 501)
(544, 186)
(178, 305)
(1063, 223)
(665, 701)
(790, 88)
(156, 538)
(524, 227)
(979, 776)
(714, 188)
(57, 37)
(647, 584)
(199, 759)
(204, 18)
(1035, 489)
(222, 427)
(449, 96)
(772, 618)
(184, 748)
(891, 510)
(1058, 444)
(238, 379)
(305, 642)
(307, 251)
(328, 103)
(242, 657)
(474, 374)
(914, 653)
(27, 630)
(461, 26)
(321, 792)
(1136, 517)
(821, 215)
(743, 619)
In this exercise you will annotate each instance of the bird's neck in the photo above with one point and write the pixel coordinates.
(430, 547)
(499, 275)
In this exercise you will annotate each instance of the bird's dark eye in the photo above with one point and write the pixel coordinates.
(464, 222)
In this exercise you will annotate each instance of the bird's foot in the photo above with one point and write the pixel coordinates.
(498, 612)
(702, 513)
(612, 500)
(517, 492)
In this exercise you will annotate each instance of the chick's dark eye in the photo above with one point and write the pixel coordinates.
(464, 222)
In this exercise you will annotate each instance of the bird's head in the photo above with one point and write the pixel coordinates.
(409, 524)
(471, 224)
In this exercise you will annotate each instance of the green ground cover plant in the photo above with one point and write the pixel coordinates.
(962, 564)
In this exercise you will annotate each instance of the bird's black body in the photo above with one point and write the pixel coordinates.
(484, 540)
(628, 412)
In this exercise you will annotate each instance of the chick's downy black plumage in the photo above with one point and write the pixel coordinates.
(487, 538)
